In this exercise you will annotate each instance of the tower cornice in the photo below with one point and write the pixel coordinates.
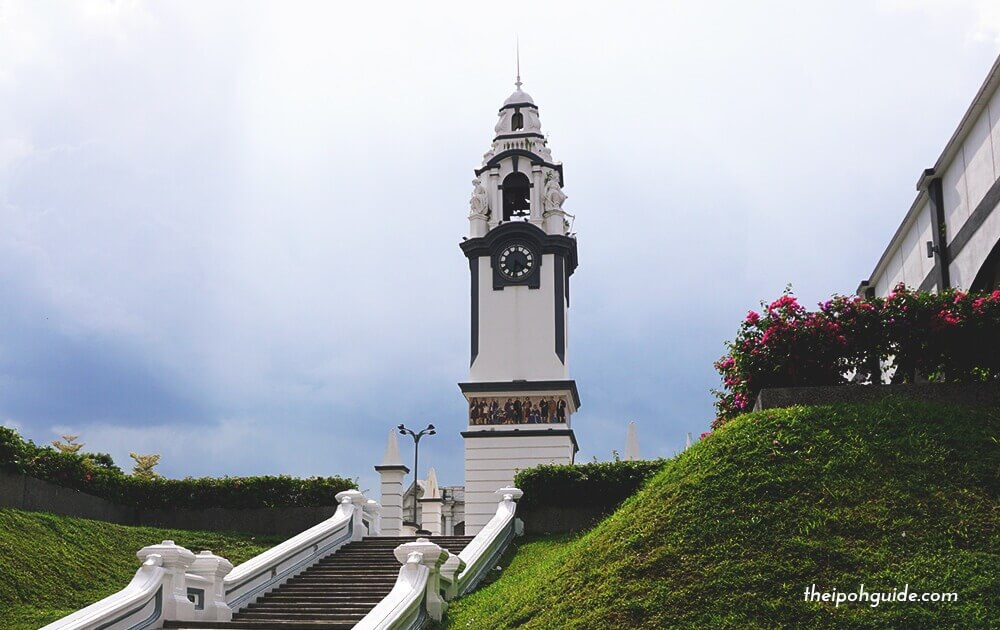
(534, 158)
(558, 244)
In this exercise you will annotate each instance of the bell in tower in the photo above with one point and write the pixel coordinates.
(520, 398)
(516, 190)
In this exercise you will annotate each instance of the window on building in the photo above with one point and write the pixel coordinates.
(517, 121)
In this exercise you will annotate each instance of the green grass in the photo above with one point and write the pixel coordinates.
(53, 565)
(732, 531)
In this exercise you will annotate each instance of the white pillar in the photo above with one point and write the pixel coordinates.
(537, 191)
(494, 189)
(631, 444)
(392, 471)
(431, 504)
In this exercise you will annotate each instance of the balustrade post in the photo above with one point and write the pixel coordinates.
(357, 500)
(176, 560)
(214, 569)
(431, 556)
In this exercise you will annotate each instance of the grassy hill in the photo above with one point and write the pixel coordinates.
(53, 565)
(732, 532)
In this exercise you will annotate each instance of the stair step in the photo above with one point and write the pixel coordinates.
(295, 616)
(332, 594)
(260, 625)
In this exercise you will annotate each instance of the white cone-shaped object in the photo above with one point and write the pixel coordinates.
(391, 456)
(431, 490)
(631, 444)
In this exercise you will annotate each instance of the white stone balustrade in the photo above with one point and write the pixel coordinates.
(430, 575)
(171, 576)
(212, 570)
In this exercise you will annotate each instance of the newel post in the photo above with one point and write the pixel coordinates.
(213, 569)
(356, 501)
(509, 496)
(176, 560)
(431, 556)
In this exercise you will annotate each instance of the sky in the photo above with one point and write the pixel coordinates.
(229, 231)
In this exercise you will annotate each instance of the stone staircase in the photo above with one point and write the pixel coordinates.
(335, 593)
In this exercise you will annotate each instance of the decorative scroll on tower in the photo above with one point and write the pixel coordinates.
(521, 256)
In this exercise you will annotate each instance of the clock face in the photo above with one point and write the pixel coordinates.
(516, 262)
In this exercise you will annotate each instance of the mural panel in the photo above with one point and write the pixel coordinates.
(518, 410)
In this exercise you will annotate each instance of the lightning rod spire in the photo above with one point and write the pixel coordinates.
(517, 48)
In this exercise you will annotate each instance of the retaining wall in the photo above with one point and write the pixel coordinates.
(27, 493)
(967, 394)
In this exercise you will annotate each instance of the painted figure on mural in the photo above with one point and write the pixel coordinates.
(561, 410)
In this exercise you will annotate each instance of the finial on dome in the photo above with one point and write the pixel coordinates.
(517, 53)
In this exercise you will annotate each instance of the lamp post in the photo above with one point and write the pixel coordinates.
(416, 452)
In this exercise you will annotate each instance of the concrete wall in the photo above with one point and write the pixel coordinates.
(517, 329)
(558, 520)
(968, 394)
(968, 168)
(492, 462)
(26, 493)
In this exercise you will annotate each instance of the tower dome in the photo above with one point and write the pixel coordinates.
(519, 97)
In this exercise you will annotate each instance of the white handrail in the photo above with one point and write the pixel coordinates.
(138, 605)
(171, 574)
(275, 566)
(416, 593)
(429, 572)
(481, 553)
(403, 606)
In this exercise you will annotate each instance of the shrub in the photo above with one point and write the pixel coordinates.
(946, 336)
(96, 474)
(600, 486)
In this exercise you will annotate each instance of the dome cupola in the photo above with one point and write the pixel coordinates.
(518, 180)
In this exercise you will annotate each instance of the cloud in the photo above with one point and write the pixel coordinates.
(229, 233)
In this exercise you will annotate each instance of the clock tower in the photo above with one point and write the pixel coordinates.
(521, 256)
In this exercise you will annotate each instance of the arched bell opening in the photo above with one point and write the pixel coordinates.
(516, 197)
(517, 121)
(988, 277)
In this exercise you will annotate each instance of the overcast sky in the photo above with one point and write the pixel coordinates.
(229, 232)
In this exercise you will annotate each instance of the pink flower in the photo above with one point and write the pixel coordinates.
(949, 318)
(752, 317)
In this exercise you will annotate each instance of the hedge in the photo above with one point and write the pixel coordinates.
(96, 474)
(600, 486)
(908, 335)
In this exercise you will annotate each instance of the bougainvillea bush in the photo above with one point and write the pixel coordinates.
(901, 338)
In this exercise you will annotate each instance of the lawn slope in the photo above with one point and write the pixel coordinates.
(53, 565)
(733, 531)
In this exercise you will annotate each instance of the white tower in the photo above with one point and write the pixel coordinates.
(521, 399)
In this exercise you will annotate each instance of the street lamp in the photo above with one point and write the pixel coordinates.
(416, 452)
